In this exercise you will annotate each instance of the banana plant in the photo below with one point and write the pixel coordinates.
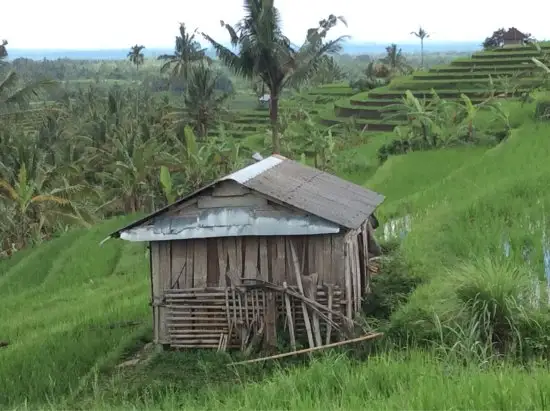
(166, 184)
(33, 203)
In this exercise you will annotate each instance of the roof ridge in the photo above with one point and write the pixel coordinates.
(254, 170)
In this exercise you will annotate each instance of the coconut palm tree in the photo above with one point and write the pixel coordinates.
(135, 55)
(3, 50)
(395, 59)
(203, 102)
(264, 51)
(187, 52)
(422, 35)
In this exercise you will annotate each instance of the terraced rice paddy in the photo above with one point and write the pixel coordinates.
(499, 72)
(254, 119)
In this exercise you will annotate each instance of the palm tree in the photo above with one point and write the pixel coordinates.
(202, 101)
(395, 59)
(135, 55)
(187, 52)
(3, 50)
(265, 52)
(421, 34)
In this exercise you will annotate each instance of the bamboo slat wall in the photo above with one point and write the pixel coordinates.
(200, 318)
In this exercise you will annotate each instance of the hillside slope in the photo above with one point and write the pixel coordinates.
(503, 71)
(64, 305)
(71, 308)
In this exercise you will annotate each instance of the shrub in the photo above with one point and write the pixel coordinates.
(542, 110)
(390, 289)
(365, 83)
(480, 309)
(399, 146)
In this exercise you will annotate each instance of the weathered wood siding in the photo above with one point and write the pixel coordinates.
(218, 262)
(338, 259)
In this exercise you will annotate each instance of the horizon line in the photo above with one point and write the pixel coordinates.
(357, 42)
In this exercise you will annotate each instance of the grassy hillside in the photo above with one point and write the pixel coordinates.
(72, 310)
(484, 72)
(63, 308)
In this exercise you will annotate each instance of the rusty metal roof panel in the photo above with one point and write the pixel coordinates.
(228, 222)
(317, 193)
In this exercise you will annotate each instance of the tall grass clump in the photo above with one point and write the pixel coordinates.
(478, 311)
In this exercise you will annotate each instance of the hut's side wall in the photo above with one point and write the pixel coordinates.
(160, 276)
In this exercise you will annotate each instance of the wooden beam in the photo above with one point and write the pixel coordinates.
(307, 350)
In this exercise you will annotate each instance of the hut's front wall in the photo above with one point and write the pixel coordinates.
(218, 263)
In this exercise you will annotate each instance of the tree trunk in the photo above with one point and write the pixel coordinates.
(422, 54)
(274, 117)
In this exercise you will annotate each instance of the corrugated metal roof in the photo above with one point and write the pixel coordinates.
(228, 222)
(316, 192)
(297, 185)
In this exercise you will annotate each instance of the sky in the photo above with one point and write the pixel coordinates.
(110, 24)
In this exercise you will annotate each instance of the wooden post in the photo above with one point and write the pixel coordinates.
(270, 320)
(296, 264)
(290, 319)
(329, 304)
(310, 282)
(347, 277)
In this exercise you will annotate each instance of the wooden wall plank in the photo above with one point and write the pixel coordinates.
(356, 272)
(233, 249)
(155, 273)
(250, 257)
(338, 260)
(328, 274)
(311, 255)
(318, 240)
(179, 264)
(263, 257)
(348, 281)
(366, 272)
(200, 265)
(212, 264)
(189, 264)
(222, 262)
(278, 261)
(165, 273)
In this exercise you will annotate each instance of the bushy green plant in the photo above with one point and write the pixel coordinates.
(542, 110)
(390, 289)
(482, 308)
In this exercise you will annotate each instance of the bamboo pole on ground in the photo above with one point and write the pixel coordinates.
(307, 350)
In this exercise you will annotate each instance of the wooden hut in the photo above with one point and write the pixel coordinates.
(513, 37)
(274, 240)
